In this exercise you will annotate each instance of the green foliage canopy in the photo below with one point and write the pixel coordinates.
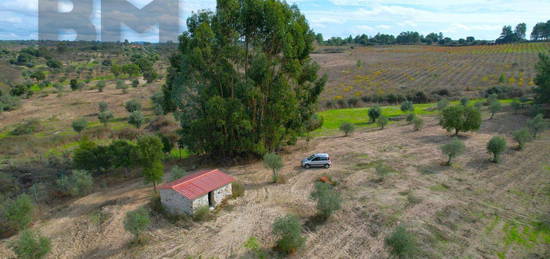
(460, 118)
(242, 81)
(289, 229)
(496, 146)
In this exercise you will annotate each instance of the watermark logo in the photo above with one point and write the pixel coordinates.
(115, 14)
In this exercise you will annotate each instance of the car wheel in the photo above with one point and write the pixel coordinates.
(307, 166)
(327, 166)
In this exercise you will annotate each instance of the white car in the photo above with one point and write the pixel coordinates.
(317, 160)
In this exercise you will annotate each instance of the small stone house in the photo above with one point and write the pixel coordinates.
(200, 189)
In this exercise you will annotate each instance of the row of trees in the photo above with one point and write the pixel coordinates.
(510, 36)
(541, 31)
(408, 37)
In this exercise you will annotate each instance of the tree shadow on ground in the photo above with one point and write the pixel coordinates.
(313, 222)
(440, 139)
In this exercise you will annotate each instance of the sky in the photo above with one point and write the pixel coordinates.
(482, 19)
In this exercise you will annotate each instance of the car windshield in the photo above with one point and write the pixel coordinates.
(311, 157)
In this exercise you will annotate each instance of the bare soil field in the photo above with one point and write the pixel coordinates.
(363, 71)
(474, 209)
(71, 105)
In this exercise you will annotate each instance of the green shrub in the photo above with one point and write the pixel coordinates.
(79, 183)
(496, 146)
(289, 231)
(136, 119)
(347, 128)
(91, 157)
(136, 222)
(79, 125)
(418, 123)
(132, 106)
(453, 149)
(9, 102)
(383, 170)
(402, 243)
(31, 245)
(328, 200)
(352, 102)
(27, 127)
(382, 121)
(237, 189)
(522, 136)
(202, 214)
(255, 248)
(17, 214)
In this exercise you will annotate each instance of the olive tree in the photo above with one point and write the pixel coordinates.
(103, 106)
(453, 149)
(79, 125)
(17, 214)
(137, 119)
(100, 86)
(347, 128)
(522, 136)
(496, 146)
(374, 113)
(31, 245)
(132, 105)
(382, 121)
(537, 125)
(275, 163)
(136, 222)
(494, 107)
(407, 106)
(460, 119)
(328, 200)
(78, 183)
(289, 231)
(418, 123)
(105, 116)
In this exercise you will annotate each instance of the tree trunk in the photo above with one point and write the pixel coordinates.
(449, 162)
(456, 132)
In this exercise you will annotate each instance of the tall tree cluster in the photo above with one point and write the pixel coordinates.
(242, 81)
(509, 35)
(541, 31)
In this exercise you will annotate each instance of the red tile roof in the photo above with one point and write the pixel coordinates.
(200, 183)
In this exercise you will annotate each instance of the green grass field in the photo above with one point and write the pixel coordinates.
(359, 116)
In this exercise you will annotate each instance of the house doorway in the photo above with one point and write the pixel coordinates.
(211, 201)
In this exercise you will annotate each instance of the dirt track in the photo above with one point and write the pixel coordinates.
(456, 203)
